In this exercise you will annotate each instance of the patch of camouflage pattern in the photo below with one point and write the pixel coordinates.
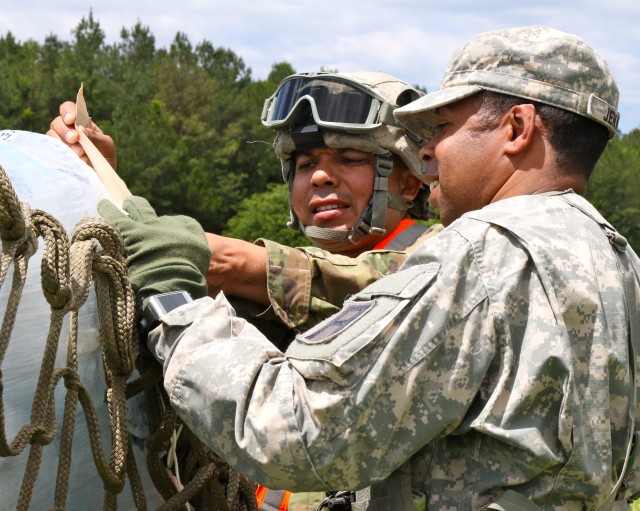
(308, 284)
(536, 63)
(306, 501)
(507, 368)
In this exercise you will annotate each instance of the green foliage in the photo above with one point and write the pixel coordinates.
(265, 215)
(614, 187)
(186, 119)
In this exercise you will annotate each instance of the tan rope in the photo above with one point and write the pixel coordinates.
(96, 254)
(67, 271)
(212, 484)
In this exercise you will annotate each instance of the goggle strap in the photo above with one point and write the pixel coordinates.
(386, 114)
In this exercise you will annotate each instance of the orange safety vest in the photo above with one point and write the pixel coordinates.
(272, 500)
(403, 236)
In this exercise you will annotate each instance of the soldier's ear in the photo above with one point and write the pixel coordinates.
(519, 127)
(408, 184)
(411, 187)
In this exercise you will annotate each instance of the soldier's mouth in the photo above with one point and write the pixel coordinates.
(329, 207)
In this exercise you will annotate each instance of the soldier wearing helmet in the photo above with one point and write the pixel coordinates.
(497, 368)
(355, 188)
(348, 111)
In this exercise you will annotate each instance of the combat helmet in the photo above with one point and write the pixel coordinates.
(347, 110)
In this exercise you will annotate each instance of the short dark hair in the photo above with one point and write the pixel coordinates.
(577, 140)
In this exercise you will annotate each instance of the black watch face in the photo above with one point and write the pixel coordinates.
(171, 301)
(159, 305)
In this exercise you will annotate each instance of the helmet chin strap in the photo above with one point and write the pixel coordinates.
(372, 220)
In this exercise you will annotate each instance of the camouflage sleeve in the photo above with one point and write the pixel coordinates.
(502, 346)
(301, 421)
(307, 284)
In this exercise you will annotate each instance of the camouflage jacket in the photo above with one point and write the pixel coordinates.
(308, 284)
(497, 357)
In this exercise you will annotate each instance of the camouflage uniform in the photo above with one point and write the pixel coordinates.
(309, 284)
(496, 358)
(306, 285)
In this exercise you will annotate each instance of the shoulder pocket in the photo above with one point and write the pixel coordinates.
(367, 319)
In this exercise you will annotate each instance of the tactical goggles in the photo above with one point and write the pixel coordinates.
(334, 101)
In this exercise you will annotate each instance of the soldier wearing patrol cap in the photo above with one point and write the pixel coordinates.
(497, 368)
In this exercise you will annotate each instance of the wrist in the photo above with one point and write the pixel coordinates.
(238, 268)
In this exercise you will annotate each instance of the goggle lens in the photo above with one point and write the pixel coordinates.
(333, 103)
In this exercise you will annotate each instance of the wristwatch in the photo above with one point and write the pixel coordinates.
(158, 306)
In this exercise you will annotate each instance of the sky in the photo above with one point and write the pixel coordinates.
(412, 39)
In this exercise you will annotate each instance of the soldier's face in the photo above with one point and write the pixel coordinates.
(463, 161)
(332, 187)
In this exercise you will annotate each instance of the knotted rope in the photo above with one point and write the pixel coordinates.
(66, 273)
(96, 254)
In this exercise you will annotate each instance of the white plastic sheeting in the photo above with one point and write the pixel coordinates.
(49, 176)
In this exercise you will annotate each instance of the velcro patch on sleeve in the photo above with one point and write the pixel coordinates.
(341, 320)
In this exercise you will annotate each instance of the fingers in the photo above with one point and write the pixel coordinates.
(104, 143)
(138, 208)
(63, 128)
(68, 112)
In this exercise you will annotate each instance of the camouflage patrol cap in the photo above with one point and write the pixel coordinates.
(536, 63)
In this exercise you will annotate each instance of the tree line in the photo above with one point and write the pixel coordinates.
(186, 121)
